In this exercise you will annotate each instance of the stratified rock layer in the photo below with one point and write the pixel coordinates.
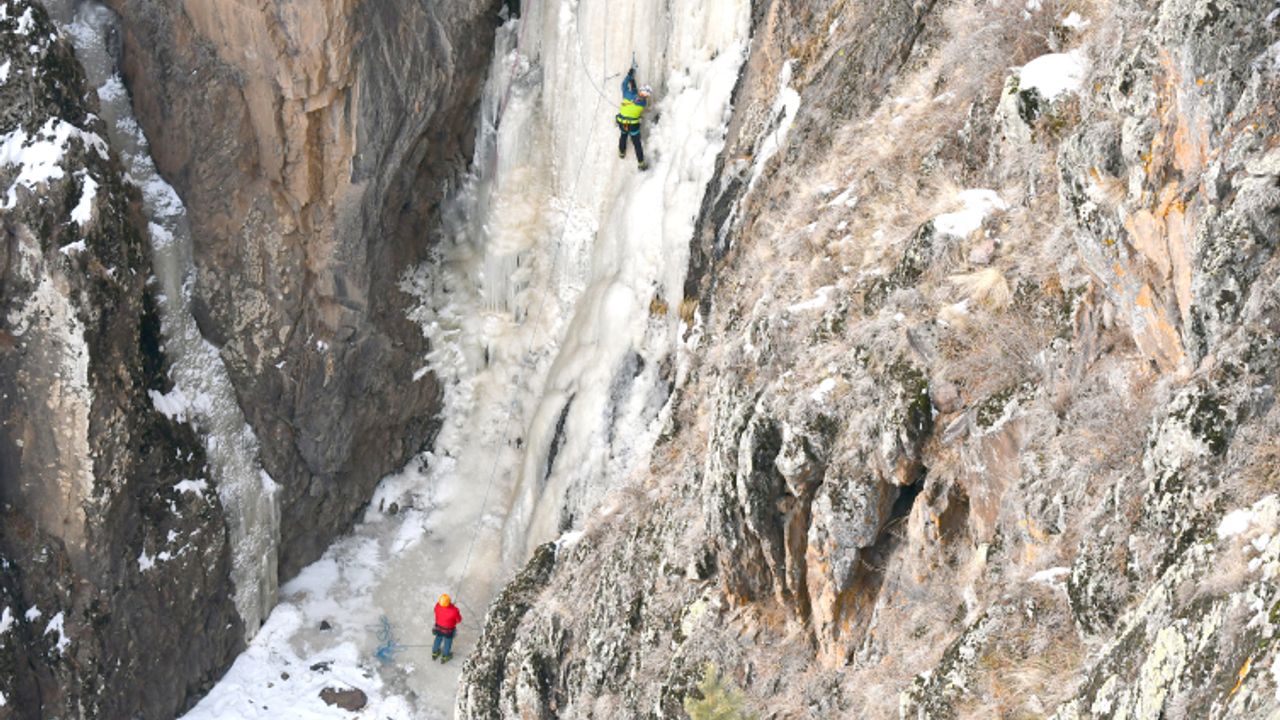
(981, 416)
(115, 591)
(312, 143)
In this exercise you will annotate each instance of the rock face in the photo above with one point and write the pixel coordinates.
(115, 591)
(312, 143)
(981, 416)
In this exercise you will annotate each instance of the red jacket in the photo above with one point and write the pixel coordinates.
(447, 618)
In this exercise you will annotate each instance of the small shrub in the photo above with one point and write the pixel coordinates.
(718, 702)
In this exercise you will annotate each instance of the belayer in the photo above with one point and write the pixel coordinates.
(447, 619)
(634, 101)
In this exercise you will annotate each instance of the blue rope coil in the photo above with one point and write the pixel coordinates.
(387, 645)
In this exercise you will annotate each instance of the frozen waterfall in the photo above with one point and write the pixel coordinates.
(552, 307)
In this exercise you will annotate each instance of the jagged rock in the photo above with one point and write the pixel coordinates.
(115, 590)
(351, 699)
(1055, 545)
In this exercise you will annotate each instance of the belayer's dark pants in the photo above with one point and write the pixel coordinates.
(634, 132)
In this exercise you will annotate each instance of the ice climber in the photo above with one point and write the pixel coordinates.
(634, 101)
(447, 619)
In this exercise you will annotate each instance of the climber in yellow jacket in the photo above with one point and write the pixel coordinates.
(634, 101)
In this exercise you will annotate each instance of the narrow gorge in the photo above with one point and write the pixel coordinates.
(928, 371)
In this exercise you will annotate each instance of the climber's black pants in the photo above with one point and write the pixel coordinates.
(634, 132)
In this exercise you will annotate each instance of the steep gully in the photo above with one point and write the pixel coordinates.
(552, 311)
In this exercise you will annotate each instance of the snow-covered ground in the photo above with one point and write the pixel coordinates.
(552, 307)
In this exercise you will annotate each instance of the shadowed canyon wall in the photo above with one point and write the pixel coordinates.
(115, 589)
(312, 143)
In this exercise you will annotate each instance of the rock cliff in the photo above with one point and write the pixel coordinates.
(312, 143)
(980, 413)
(115, 590)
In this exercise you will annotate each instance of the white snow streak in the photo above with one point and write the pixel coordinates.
(26, 22)
(192, 486)
(55, 625)
(785, 107)
(1051, 576)
(83, 210)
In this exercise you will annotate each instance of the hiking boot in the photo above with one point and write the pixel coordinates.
(435, 654)
(644, 165)
(445, 658)
(622, 153)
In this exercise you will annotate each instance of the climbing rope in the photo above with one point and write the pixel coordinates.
(388, 646)
(603, 61)
(537, 309)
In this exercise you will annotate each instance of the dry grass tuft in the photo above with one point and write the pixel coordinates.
(986, 287)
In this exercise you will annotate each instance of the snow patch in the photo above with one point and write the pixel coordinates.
(262, 692)
(1075, 21)
(33, 613)
(26, 22)
(173, 404)
(978, 204)
(145, 562)
(1054, 74)
(6, 620)
(1235, 523)
(112, 89)
(160, 235)
(83, 210)
(39, 156)
(72, 248)
(821, 299)
(179, 406)
(191, 486)
(55, 625)
(846, 198)
(823, 390)
(568, 540)
(4, 71)
(1050, 576)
